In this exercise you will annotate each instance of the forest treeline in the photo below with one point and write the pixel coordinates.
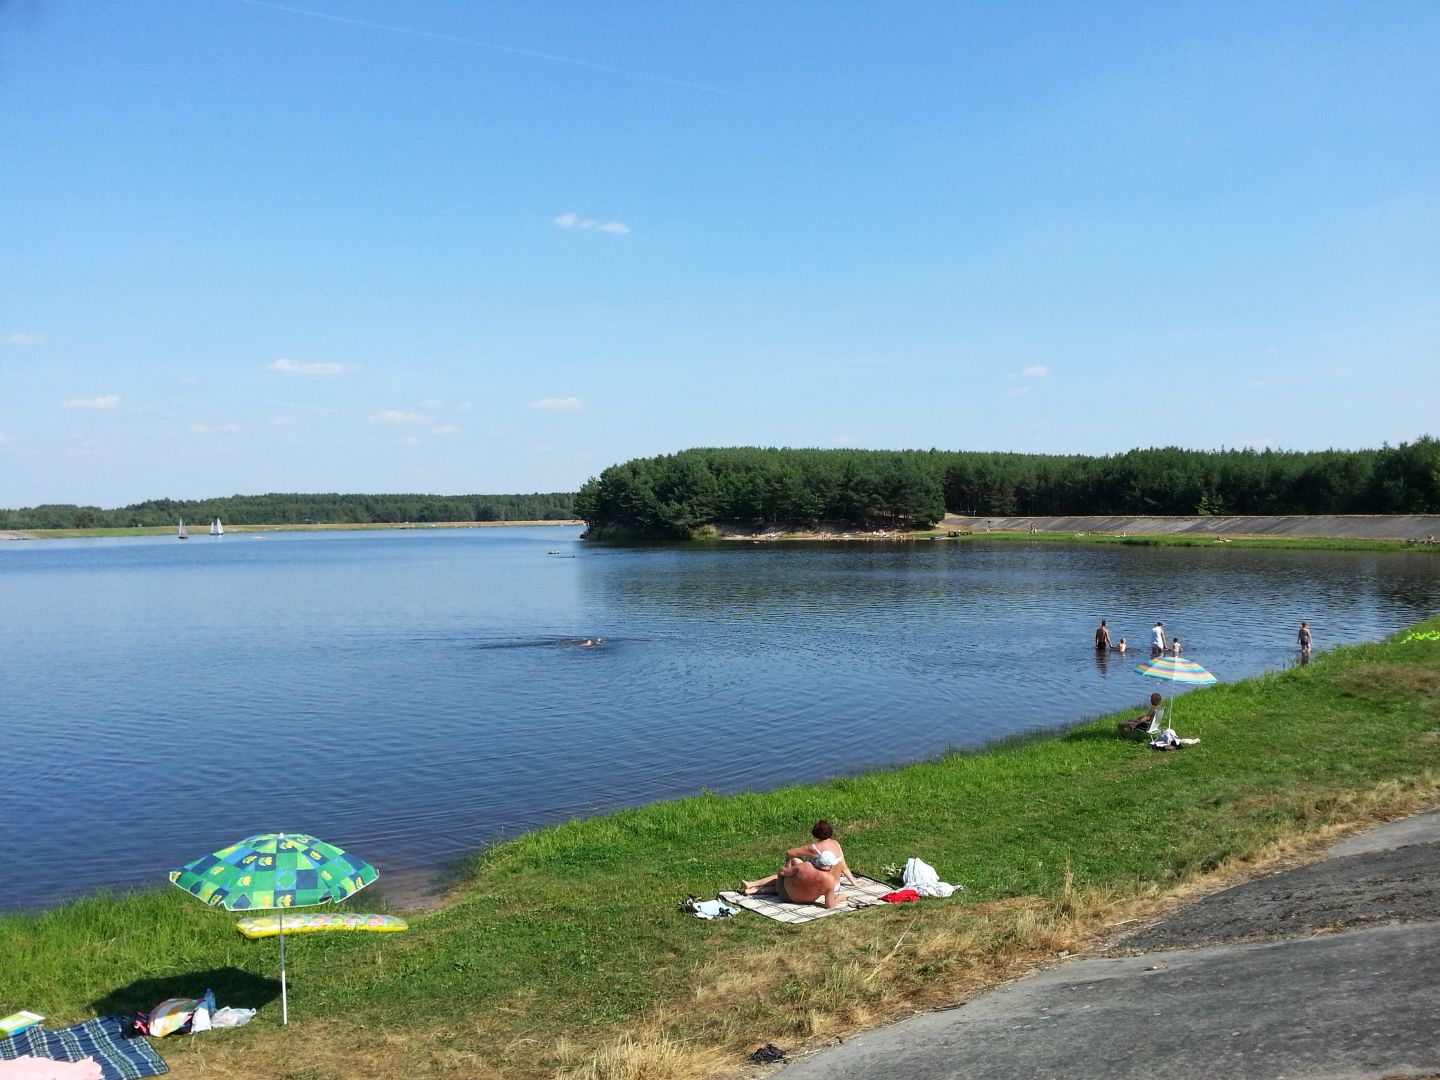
(678, 494)
(296, 509)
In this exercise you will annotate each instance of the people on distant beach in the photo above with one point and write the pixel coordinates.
(1175, 647)
(1141, 723)
(1303, 639)
(1157, 640)
(797, 874)
(1102, 637)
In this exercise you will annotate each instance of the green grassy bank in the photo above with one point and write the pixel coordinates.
(563, 953)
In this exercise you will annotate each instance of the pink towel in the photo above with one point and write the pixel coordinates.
(26, 1067)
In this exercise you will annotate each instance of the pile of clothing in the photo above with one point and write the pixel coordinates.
(920, 879)
(190, 1015)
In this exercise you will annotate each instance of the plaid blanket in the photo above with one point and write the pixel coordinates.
(867, 891)
(120, 1058)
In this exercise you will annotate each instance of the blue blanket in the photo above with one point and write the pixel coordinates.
(120, 1058)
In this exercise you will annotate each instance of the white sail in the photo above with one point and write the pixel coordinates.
(216, 529)
(183, 534)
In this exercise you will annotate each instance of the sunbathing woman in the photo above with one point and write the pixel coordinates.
(802, 882)
(824, 854)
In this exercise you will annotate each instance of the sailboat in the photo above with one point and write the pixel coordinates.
(182, 534)
(216, 529)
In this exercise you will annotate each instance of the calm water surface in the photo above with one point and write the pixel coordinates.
(412, 695)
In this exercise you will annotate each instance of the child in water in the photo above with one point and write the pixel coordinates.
(1119, 648)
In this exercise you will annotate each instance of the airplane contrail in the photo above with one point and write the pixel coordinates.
(477, 43)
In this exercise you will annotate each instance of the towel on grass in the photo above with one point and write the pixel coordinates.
(921, 876)
(864, 893)
(26, 1067)
(119, 1058)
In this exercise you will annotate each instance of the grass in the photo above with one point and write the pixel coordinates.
(563, 954)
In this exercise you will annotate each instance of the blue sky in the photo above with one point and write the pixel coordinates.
(452, 247)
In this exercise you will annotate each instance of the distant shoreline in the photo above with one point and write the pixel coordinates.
(169, 530)
(1301, 530)
(1378, 531)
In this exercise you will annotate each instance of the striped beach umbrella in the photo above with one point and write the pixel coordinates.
(1178, 672)
(275, 871)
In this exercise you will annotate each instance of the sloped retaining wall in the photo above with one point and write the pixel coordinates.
(1329, 527)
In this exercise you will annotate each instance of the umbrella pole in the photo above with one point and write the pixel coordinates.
(284, 1003)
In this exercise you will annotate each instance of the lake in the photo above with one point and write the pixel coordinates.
(413, 695)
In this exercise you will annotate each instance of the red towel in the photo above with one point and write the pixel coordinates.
(901, 896)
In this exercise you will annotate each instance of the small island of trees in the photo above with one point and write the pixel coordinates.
(680, 495)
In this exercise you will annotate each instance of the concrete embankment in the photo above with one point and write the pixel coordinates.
(1324, 526)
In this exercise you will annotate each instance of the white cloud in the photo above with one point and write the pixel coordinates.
(108, 401)
(295, 367)
(212, 429)
(575, 221)
(1034, 371)
(1018, 391)
(444, 429)
(396, 416)
(845, 440)
(25, 339)
(558, 404)
(409, 440)
(189, 380)
(4, 438)
(432, 403)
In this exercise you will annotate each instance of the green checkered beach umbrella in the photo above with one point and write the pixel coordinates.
(275, 871)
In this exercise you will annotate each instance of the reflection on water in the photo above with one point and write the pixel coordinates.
(414, 695)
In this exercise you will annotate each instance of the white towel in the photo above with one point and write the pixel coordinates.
(921, 877)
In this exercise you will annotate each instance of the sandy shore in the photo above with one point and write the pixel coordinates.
(1400, 527)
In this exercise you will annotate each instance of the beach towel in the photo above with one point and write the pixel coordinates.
(864, 893)
(119, 1058)
(33, 1068)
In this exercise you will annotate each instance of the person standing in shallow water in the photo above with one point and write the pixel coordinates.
(1304, 638)
(1102, 637)
(1157, 640)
